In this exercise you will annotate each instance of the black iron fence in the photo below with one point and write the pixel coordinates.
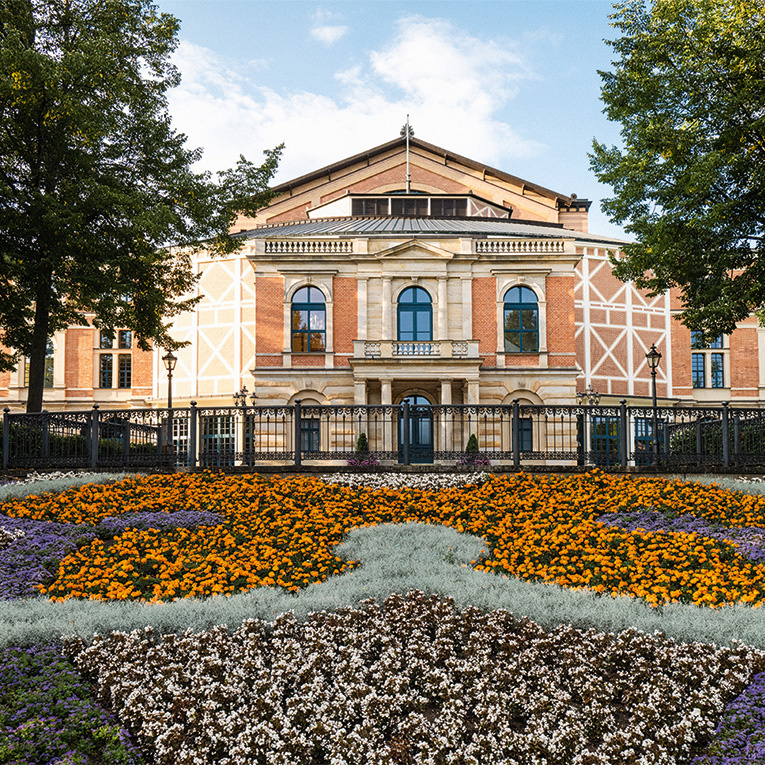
(513, 435)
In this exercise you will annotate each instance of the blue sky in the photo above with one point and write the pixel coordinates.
(512, 83)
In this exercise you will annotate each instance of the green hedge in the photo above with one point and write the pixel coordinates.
(752, 435)
(26, 441)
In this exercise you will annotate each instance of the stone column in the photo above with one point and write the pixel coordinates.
(447, 417)
(471, 419)
(361, 418)
(386, 399)
(472, 392)
(387, 309)
(443, 321)
(360, 392)
(361, 298)
(467, 308)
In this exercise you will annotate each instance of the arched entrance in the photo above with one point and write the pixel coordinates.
(420, 431)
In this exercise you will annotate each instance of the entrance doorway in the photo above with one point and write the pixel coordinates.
(420, 430)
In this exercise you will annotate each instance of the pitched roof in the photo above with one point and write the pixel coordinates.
(387, 225)
(433, 149)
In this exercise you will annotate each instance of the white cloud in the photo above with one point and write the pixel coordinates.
(328, 34)
(455, 87)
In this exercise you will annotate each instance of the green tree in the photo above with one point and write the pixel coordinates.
(94, 182)
(688, 88)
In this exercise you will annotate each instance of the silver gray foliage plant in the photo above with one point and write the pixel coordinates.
(746, 484)
(395, 558)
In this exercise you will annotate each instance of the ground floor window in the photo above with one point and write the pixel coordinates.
(644, 441)
(310, 440)
(218, 439)
(604, 439)
(125, 374)
(526, 434)
(105, 370)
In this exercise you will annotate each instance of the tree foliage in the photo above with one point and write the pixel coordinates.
(688, 88)
(95, 183)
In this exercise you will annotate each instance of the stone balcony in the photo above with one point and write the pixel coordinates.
(401, 350)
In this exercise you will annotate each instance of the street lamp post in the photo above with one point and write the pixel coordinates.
(653, 357)
(169, 360)
(240, 398)
(244, 428)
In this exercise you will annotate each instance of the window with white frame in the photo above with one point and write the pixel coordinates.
(114, 370)
(707, 362)
(521, 320)
(309, 321)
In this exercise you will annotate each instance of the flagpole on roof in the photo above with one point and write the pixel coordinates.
(406, 130)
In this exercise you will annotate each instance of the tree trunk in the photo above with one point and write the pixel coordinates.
(37, 355)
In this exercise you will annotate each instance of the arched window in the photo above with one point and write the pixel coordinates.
(48, 379)
(309, 320)
(521, 321)
(415, 315)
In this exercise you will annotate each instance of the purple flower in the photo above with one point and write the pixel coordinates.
(750, 539)
(48, 715)
(33, 559)
(740, 735)
(113, 525)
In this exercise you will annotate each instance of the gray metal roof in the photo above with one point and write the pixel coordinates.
(385, 226)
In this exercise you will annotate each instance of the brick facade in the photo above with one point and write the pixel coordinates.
(344, 318)
(269, 314)
(559, 298)
(485, 317)
(597, 329)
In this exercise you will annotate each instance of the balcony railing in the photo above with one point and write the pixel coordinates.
(398, 349)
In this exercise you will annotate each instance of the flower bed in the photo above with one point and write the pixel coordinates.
(414, 681)
(282, 533)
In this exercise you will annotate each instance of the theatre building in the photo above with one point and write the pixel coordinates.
(410, 273)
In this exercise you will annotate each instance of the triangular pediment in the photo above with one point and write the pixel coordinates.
(415, 250)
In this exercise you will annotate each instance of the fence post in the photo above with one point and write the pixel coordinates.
(406, 432)
(94, 437)
(623, 439)
(725, 444)
(6, 437)
(45, 436)
(298, 435)
(193, 423)
(516, 433)
(126, 443)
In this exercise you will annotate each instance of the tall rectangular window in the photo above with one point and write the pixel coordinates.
(218, 434)
(105, 370)
(697, 370)
(125, 338)
(106, 339)
(125, 371)
(716, 375)
(309, 434)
